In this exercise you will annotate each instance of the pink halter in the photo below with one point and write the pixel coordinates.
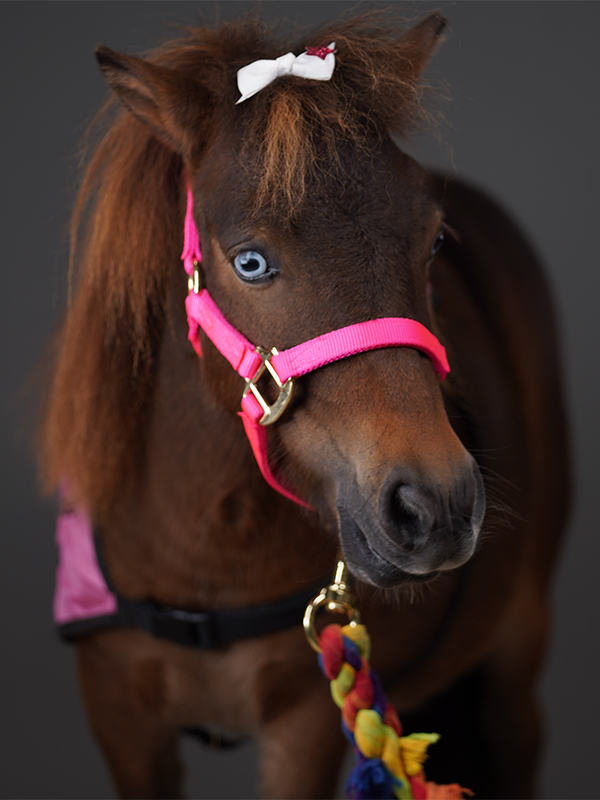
(251, 362)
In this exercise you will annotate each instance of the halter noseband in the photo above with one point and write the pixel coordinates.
(250, 361)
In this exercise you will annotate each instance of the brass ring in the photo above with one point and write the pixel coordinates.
(337, 606)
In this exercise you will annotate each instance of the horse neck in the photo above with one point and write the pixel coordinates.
(202, 527)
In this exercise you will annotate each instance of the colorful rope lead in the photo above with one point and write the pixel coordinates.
(388, 765)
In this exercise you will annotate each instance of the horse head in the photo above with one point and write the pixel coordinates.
(311, 219)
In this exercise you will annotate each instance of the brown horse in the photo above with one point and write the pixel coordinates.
(308, 175)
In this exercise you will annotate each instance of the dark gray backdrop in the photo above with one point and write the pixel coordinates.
(524, 78)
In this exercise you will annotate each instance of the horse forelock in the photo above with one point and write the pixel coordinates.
(295, 128)
(127, 222)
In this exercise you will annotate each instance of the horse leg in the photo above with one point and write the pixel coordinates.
(510, 714)
(489, 720)
(127, 704)
(489, 735)
(302, 749)
(462, 755)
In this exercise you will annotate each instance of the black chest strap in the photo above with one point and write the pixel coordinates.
(190, 627)
(208, 629)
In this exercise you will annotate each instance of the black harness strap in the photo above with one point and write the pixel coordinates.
(208, 629)
(201, 629)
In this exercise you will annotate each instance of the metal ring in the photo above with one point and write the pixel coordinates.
(324, 598)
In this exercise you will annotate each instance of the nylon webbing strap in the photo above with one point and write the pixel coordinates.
(201, 629)
(358, 338)
(208, 629)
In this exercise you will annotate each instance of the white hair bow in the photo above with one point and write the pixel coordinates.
(317, 64)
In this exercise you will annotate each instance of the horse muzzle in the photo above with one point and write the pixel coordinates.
(413, 528)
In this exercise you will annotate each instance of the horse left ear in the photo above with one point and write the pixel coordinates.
(420, 43)
(174, 106)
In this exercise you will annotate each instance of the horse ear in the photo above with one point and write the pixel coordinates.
(172, 104)
(420, 43)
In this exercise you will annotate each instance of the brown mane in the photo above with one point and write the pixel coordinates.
(127, 223)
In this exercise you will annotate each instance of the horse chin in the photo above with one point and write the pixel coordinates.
(366, 564)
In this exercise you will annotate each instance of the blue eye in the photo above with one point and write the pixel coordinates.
(250, 265)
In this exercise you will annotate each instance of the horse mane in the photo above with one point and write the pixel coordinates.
(126, 231)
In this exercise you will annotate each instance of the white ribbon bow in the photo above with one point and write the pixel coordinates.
(254, 77)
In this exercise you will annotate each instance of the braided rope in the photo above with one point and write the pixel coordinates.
(388, 765)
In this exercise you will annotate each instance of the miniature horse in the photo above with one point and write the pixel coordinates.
(310, 218)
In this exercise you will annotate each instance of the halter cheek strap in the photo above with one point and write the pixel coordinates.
(251, 362)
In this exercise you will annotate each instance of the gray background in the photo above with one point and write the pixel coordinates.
(524, 79)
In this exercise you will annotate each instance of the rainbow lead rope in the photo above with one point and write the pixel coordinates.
(388, 765)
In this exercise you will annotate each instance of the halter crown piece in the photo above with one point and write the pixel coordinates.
(316, 64)
(250, 361)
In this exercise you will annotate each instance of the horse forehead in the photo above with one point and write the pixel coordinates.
(389, 198)
(385, 191)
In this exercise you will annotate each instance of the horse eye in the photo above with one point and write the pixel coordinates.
(250, 265)
(439, 241)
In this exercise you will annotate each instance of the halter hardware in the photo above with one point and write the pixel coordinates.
(273, 412)
(194, 284)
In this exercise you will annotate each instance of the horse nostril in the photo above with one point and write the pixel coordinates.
(408, 515)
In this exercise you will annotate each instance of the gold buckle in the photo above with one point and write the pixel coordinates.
(271, 413)
(194, 280)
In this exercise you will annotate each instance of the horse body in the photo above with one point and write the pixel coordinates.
(379, 451)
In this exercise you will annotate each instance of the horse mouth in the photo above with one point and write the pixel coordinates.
(366, 564)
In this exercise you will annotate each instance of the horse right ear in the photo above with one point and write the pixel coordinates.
(418, 44)
(175, 106)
